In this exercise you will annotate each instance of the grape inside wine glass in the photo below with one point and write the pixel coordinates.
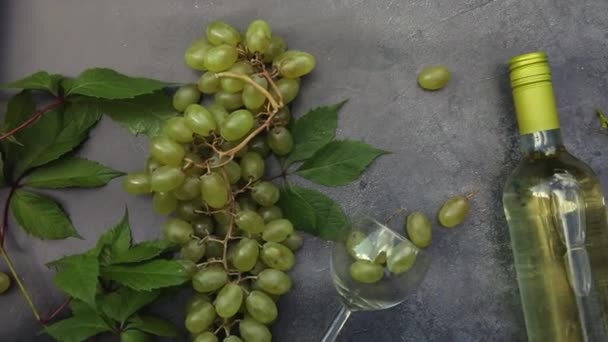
(373, 268)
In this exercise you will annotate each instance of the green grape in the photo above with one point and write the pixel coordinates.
(252, 331)
(259, 267)
(206, 336)
(185, 96)
(282, 117)
(454, 211)
(176, 129)
(401, 257)
(434, 77)
(365, 271)
(190, 189)
(245, 255)
(221, 230)
(209, 279)
(418, 228)
(133, 335)
(214, 249)
(137, 183)
(214, 190)
(237, 125)
(220, 114)
(194, 251)
(219, 32)
(167, 151)
(288, 88)
(252, 166)
(195, 54)
(5, 282)
(353, 240)
(277, 230)
(230, 101)
(220, 58)
(152, 164)
(234, 85)
(294, 63)
(280, 141)
(188, 266)
(199, 120)
(250, 221)
(294, 241)
(253, 99)
(200, 318)
(245, 202)
(228, 300)
(258, 36)
(177, 231)
(259, 146)
(202, 226)
(233, 171)
(265, 193)
(222, 217)
(276, 48)
(277, 256)
(208, 83)
(166, 178)
(270, 213)
(196, 300)
(232, 339)
(261, 307)
(164, 203)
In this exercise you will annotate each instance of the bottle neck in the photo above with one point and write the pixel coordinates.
(546, 143)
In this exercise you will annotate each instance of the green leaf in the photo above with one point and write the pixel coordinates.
(143, 114)
(603, 118)
(154, 325)
(78, 277)
(109, 84)
(40, 80)
(330, 221)
(143, 251)
(339, 162)
(312, 131)
(147, 276)
(79, 307)
(71, 172)
(124, 302)
(115, 241)
(77, 328)
(19, 108)
(41, 216)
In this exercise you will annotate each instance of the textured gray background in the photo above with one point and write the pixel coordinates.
(455, 141)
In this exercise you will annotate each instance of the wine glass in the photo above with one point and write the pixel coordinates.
(369, 244)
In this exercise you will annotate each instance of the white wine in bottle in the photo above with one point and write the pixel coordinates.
(557, 220)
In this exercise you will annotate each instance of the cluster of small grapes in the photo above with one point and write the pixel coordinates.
(207, 169)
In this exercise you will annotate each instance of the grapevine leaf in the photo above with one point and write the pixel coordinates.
(40, 80)
(312, 131)
(143, 114)
(339, 162)
(298, 210)
(77, 328)
(124, 302)
(142, 251)
(79, 307)
(115, 241)
(77, 277)
(153, 325)
(603, 118)
(109, 84)
(71, 172)
(41, 216)
(147, 276)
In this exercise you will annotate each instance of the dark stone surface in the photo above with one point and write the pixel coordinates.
(454, 141)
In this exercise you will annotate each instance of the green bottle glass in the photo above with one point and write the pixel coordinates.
(557, 219)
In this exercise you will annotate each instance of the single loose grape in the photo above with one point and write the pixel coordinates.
(195, 54)
(194, 251)
(177, 231)
(274, 281)
(245, 255)
(214, 190)
(353, 240)
(245, 202)
(234, 85)
(206, 336)
(185, 96)
(252, 166)
(277, 230)
(220, 114)
(214, 249)
(137, 183)
(365, 271)
(228, 300)
(250, 221)
(208, 83)
(294, 63)
(253, 98)
(220, 58)
(209, 279)
(166, 178)
(454, 211)
(232, 339)
(258, 36)
(294, 241)
(200, 318)
(133, 335)
(237, 125)
(261, 307)
(276, 48)
(265, 193)
(202, 226)
(199, 120)
(277, 256)
(280, 141)
(288, 89)
(167, 151)
(196, 300)
(230, 101)
(270, 213)
(434, 77)
(190, 189)
(253, 331)
(219, 32)
(282, 117)
(5, 282)
(418, 228)
(164, 203)
(259, 146)
(233, 171)
(401, 257)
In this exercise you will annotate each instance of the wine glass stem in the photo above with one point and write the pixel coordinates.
(336, 326)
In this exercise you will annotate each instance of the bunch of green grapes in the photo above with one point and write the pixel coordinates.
(206, 171)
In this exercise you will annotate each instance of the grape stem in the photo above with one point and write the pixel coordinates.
(37, 115)
(245, 78)
(22, 288)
